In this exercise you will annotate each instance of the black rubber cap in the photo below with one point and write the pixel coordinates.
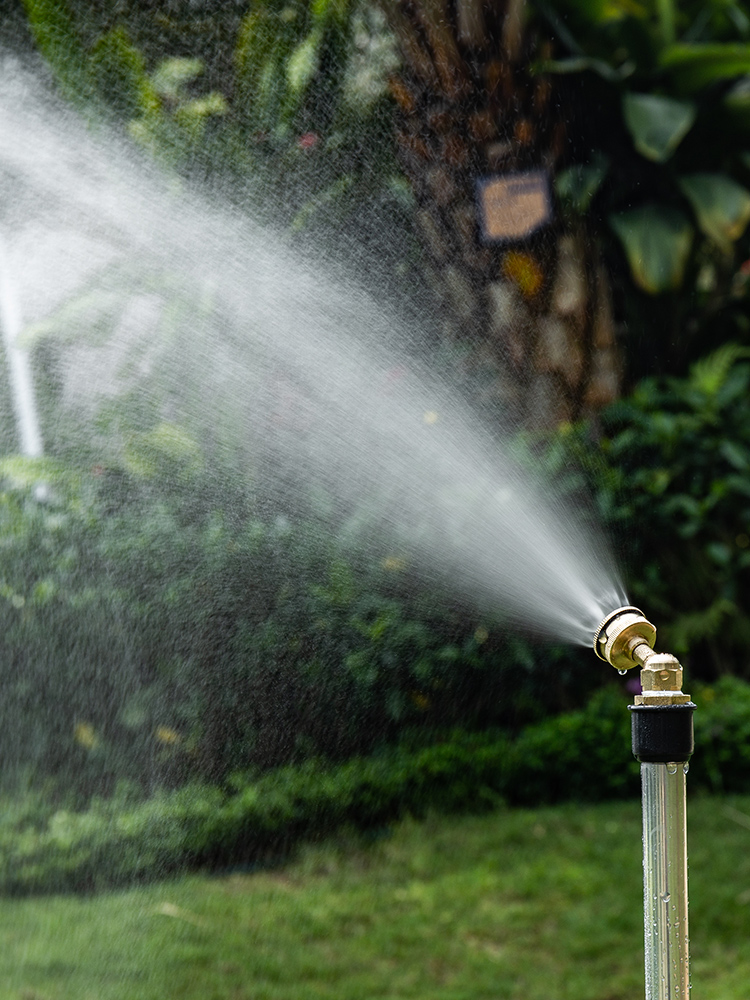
(662, 733)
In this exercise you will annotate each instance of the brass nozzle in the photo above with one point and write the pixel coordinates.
(626, 639)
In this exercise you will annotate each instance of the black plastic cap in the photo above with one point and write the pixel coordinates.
(662, 733)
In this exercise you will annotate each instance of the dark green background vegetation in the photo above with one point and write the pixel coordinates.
(161, 636)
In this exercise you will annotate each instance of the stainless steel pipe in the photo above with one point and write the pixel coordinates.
(665, 892)
(662, 727)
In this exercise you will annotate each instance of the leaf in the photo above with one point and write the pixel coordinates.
(657, 242)
(166, 449)
(719, 553)
(172, 74)
(693, 66)
(253, 46)
(193, 115)
(22, 472)
(578, 184)
(666, 12)
(735, 454)
(711, 373)
(687, 630)
(737, 103)
(323, 11)
(657, 124)
(121, 74)
(302, 64)
(721, 206)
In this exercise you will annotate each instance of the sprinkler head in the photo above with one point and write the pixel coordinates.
(625, 638)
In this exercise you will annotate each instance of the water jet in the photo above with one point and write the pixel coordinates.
(476, 518)
(662, 740)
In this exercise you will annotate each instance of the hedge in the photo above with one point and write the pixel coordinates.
(252, 820)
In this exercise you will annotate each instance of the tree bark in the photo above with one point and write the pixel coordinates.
(536, 312)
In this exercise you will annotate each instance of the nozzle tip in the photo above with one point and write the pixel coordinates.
(613, 639)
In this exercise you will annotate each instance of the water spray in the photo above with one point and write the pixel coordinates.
(662, 729)
(19, 370)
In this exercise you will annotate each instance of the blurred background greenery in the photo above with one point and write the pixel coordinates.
(168, 636)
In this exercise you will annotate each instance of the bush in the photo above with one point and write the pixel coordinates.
(158, 632)
(722, 734)
(583, 755)
(154, 634)
(670, 467)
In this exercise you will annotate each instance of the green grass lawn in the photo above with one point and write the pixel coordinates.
(522, 904)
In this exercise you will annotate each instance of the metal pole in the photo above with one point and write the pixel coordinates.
(665, 896)
(662, 734)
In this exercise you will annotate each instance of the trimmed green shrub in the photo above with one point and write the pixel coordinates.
(670, 469)
(583, 755)
(160, 633)
(722, 734)
(156, 635)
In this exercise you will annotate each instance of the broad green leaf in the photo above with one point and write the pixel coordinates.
(266, 100)
(657, 242)
(303, 62)
(577, 185)
(172, 74)
(666, 12)
(193, 115)
(737, 103)
(325, 10)
(121, 74)
(253, 46)
(721, 206)
(694, 66)
(657, 124)
(735, 454)
(166, 446)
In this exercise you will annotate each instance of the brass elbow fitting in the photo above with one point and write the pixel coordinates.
(626, 639)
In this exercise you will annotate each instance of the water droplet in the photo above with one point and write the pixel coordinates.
(686, 767)
(622, 672)
(665, 897)
(671, 768)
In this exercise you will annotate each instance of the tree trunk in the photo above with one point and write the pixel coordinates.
(536, 311)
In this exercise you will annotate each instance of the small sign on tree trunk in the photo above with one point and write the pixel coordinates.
(513, 206)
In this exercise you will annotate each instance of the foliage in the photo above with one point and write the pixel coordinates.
(672, 477)
(159, 629)
(722, 727)
(661, 137)
(299, 114)
(583, 755)
(180, 633)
